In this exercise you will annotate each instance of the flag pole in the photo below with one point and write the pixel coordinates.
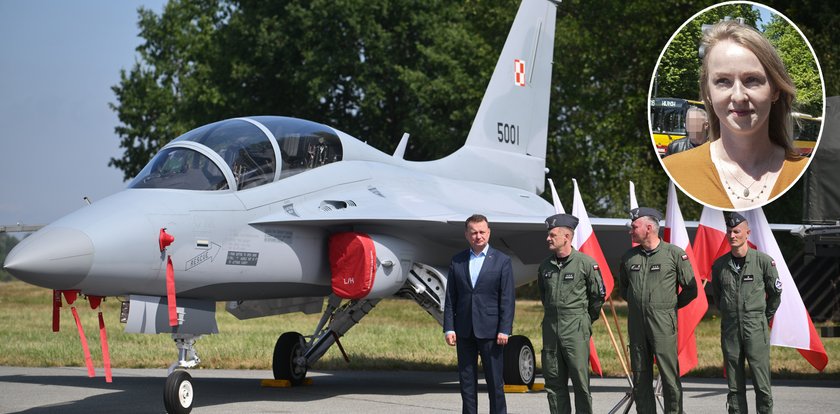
(618, 330)
(628, 395)
(618, 351)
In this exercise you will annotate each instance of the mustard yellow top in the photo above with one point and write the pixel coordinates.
(695, 173)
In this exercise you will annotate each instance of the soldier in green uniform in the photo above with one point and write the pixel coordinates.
(649, 278)
(747, 290)
(572, 292)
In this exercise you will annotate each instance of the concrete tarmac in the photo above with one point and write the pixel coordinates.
(69, 390)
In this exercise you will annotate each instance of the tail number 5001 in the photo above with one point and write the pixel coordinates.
(507, 133)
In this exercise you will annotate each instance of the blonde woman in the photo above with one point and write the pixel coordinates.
(748, 95)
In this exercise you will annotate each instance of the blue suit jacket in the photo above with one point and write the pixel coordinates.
(485, 310)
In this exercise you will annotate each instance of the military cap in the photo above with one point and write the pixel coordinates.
(733, 219)
(561, 220)
(645, 211)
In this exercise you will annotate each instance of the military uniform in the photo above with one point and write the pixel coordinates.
(572, 292)
(648, 280)
(740, 288)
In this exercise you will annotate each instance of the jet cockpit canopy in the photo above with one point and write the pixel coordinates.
(240, 153)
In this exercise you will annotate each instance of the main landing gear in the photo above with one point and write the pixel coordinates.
(520, 365)
(289, 362)
(294, 354)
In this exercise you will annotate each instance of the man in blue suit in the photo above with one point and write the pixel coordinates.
(478, 314)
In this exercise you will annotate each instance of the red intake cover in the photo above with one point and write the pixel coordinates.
(353, 264)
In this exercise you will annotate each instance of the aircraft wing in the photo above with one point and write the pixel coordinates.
(355, 216)
(524, 236)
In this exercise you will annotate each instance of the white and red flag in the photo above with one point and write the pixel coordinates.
(709, 242)
(792, 325)
(586, 242)
(689, 316)
(633, 204)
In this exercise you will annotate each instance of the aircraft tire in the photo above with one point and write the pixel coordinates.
(520, 364)
(287, 348)
(178, 393)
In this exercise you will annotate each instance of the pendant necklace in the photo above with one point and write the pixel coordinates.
(745, 195)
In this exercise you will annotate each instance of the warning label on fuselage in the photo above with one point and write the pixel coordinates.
(242, 258)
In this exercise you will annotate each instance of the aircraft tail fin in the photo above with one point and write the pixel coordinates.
(507, 142)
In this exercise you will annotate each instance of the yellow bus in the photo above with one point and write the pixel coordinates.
(806, 130)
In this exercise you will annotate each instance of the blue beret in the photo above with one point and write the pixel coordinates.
(733, 219)
(561, 220)
(645, 211)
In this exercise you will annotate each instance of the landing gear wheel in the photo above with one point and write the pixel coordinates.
(520, 365)
(178, 393)
(287, 349)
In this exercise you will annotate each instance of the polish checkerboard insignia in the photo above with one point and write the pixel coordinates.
(519, 72)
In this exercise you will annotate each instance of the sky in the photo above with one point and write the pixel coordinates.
(58, 61)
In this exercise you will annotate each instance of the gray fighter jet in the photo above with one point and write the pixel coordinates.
(276, 215)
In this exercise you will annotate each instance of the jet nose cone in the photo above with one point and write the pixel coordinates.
(54, 258)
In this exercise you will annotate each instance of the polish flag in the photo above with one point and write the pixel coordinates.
(586, 242)
(689, 316)
(709, 242)
(792, 326)
(594, 362)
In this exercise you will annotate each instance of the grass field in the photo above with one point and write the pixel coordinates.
(397, 335)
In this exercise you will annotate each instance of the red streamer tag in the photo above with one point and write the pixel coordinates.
(95, 301)
(170, 292)
(83, 340)
(106, 355)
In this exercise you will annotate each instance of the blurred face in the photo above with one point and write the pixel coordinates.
(739, 89)
(558, 238)
(639, 229)
(738, 235)
(695, 122)
(478, 235)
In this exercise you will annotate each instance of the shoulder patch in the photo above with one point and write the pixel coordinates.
(773, 263)
(595, 267)
(684, 257)
(778, 284)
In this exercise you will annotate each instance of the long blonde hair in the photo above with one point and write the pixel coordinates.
(755, 42)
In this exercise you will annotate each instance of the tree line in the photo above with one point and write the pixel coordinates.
(378, 68)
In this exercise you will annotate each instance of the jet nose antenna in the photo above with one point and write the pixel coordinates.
(54, 258)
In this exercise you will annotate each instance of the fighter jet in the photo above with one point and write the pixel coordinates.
(275, 215)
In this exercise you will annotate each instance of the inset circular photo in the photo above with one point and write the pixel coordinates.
(736, 105)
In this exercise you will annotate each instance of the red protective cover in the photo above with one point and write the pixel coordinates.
(353, 264)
